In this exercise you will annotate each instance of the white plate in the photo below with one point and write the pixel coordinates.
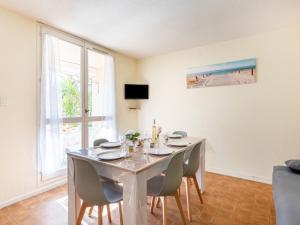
(178, 143)
(174, 136)
(111, 155)
(110, 145)
(161, 152)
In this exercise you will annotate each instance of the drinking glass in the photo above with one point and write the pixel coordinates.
(147, 146)
(121, 139)
(147, 141)
(166, 137)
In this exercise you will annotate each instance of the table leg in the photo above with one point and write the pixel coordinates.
(201, 171)
(73, 199)
(134, 199)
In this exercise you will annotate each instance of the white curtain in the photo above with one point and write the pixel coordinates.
(109, 101)
(51, 156)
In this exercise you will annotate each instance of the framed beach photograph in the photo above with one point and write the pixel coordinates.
(229, 73)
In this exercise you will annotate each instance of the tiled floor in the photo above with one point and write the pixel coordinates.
(227, 201)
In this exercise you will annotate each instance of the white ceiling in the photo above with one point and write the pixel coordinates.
(142, 28)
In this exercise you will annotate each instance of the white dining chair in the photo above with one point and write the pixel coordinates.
(93, 191)
(97, 143)
(182, 133)
(190, 167)
(166, 184)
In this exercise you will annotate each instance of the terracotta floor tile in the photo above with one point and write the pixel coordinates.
(227, 201)
(3, 219)
(222, 220)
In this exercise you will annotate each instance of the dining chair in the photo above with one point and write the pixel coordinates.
(190, 167)
(98, 142)
(94, 192)
(166, 184)
(182, 133)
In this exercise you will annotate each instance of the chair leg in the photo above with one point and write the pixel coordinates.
(91, 211)
(157, 203)
(108, 213)
(81, 213)
(180, 208)
(152, 204)
(197, 188)
(165, 209)
(148, 201)
(188, 198)
(100, 208)
(121, 213)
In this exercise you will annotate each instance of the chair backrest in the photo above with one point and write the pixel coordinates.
(173, 175)
(98, 142)
(182, 133)
(193, 161)
(87, 183)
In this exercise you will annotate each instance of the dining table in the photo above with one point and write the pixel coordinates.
(132, 172)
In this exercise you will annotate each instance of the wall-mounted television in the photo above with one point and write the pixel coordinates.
(136, 91)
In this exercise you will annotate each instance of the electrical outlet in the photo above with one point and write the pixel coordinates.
(3, 101)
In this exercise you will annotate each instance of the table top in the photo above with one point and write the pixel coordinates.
(137, 161)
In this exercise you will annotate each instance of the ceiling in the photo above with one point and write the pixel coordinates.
(142, 28)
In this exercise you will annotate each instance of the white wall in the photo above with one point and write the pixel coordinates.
(249, 128)
(17, 119)
(126, 73)
(18, 81)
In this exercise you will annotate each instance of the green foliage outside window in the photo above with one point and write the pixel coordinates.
(70, 98)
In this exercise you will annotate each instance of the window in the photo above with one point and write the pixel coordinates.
(77, 99)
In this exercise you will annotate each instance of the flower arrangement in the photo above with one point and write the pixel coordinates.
(159, 130)
(132, 136)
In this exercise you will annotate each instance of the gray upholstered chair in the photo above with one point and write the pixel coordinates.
(98, 142)
(167, 184)
(182, 133)
(93, 191)
(190, 167)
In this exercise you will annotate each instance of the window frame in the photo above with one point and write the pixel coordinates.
(85, 45)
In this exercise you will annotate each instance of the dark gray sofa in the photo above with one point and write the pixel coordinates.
(286, 195)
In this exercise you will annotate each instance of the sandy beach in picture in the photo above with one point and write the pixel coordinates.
(231, 73)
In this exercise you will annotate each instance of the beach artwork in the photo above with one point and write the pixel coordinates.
(230, 73)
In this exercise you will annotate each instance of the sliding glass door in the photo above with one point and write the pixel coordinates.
(76, 100)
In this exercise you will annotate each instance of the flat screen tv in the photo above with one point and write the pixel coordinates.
(136, 91)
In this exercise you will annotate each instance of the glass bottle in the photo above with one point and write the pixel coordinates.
(154, 133)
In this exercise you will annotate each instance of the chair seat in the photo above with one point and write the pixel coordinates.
(154, 185)
(112, 192)
(105, 179)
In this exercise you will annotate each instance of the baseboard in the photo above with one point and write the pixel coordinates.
(37, 191)
(240, 175)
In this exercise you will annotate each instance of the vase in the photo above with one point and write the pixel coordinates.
(131, 146)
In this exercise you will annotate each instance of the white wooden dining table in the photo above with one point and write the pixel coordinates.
(133, 172)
